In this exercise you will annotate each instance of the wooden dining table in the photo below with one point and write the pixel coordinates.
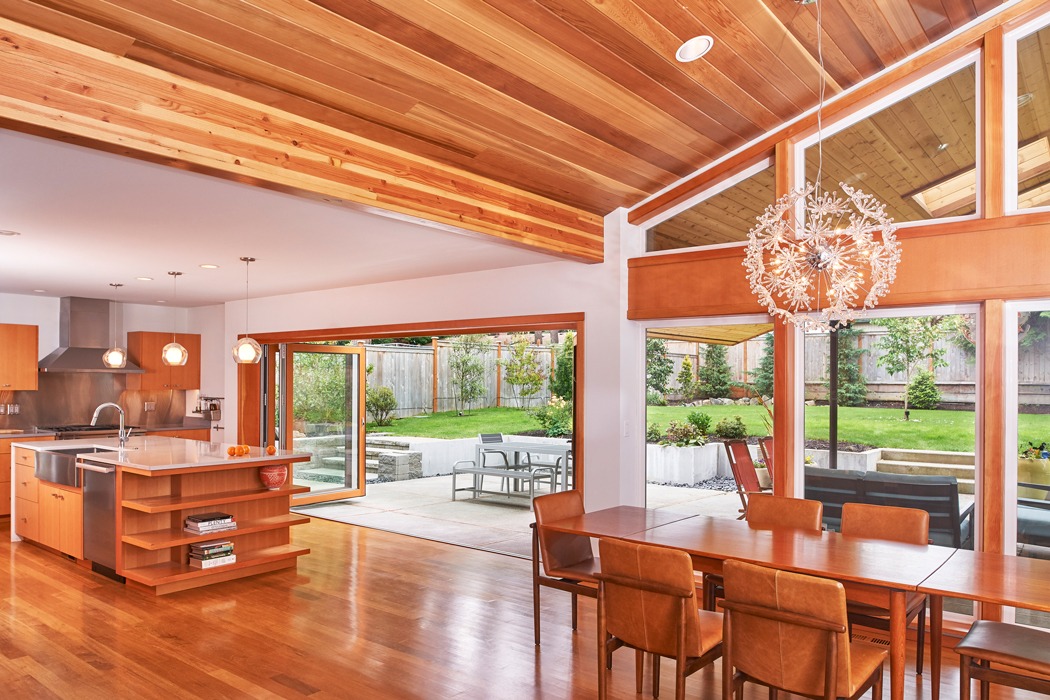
(872, 571)
(1020, 582)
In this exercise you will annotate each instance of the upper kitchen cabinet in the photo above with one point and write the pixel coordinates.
(144, 348)
(18, 357)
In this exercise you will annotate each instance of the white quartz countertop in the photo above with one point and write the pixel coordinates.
(156, 453)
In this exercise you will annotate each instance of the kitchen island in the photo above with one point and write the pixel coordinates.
(157, 482)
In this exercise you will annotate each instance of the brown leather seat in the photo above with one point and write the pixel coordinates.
(647, 601)
(788, 632)
(910, 525)
(769, 512)
(1004, 644)
(568, 561)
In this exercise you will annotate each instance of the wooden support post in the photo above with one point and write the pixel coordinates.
(990, 426)
(434, 345)
(499, 372)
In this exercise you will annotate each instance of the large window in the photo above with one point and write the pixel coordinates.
(723, 217)
(1033, 120)
(918, 156)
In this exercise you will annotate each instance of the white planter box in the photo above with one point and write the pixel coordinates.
(863, 461)
(683, 465)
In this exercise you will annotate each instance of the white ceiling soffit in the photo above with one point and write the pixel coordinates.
(89, 218)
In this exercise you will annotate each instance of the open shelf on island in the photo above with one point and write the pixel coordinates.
(171, 572)
(174, 537)
(166, 504)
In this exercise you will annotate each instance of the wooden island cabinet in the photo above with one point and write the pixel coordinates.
(6, 474)
(159, 481)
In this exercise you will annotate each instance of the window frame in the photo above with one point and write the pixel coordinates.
(1011, 139)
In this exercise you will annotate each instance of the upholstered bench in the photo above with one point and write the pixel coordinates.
(1002, 643)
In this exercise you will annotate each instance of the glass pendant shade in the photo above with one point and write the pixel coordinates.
(246, 351)
(115, 358)
(174, 355)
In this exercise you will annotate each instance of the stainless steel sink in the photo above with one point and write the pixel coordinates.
(59, 466)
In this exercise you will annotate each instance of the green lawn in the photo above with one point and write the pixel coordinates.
(449, 425)
(882, 427)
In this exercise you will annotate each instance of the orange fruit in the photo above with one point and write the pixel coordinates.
(231, 450)
(271, 450)
(240, 450)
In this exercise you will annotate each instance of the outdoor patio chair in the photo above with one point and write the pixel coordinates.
(937, 495)
(1033, 521)
(496, 438)
(743, 472)
(787, 631)
(833, 488)
(765, 446)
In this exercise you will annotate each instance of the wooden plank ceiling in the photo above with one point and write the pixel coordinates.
(578, 102)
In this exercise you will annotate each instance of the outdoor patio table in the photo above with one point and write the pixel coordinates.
(872, 571)
(539, 448)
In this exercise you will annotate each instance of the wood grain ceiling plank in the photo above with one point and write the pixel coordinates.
(652, 32)
(933, 16)
(900, 18)
(738, 54)
(847, 56)
(531, 98)
(580, 40)
(959, 11)
(548, 74)
(872, 25)
(72, 81)
(721, 122)
(63, 24)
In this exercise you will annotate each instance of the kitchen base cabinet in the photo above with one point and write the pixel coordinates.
(5, 469)
(61, 518)
(154, 550)
(27, 520)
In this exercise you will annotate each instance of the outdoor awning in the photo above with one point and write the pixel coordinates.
(712, 335)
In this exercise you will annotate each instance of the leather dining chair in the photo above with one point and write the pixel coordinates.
(647, 602)
(769, 512)
(744, 473)
(1009, 646)
(568, 562)
(908, 525)
(788, 632)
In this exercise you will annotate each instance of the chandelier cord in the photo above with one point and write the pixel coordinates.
(820, 97)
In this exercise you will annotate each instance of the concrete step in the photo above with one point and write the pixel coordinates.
(386, 443)
(374, 452)
(929, 456)
(964, 475)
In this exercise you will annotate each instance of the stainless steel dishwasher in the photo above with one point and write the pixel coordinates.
(100, 516)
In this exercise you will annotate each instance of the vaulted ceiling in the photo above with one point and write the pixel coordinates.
(576, 102)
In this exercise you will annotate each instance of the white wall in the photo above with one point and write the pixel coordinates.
(599, 291)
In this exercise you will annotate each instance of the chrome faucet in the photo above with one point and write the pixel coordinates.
(122, 434)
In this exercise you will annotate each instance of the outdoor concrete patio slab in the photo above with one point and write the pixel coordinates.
(424, 508)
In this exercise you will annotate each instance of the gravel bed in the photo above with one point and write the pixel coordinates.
(718, 483)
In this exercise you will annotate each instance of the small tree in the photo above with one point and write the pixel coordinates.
(563, 377)
(923, 392)
(853, 389)
(909, 341)
(685, 378)
(523, 372)
(467, 369)
(762, 376)
(658, 366)
(380, 403)
(716, 377)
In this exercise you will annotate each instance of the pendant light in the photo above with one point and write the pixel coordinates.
(116, 357)
(173, 354)
(246, 351)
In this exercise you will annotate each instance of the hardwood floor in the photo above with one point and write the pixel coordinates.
(368, 614)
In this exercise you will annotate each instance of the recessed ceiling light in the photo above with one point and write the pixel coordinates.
(1024, 99)
(942, 147)
(694, 48)
(209, 266)
(8, 232)
(144, 279)
(39, 291)
(161, 301)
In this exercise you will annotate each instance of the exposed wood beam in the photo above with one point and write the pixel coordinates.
(68, 90)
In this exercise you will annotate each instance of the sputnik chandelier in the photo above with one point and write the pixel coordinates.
(817, 259)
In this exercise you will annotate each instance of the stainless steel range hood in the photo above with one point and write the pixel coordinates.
(83, 336)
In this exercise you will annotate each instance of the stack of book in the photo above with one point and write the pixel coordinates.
(204, 523)
(206, 555)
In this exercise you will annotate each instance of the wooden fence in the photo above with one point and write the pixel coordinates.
(409, 370)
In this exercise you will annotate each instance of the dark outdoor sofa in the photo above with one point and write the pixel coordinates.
(938, 495)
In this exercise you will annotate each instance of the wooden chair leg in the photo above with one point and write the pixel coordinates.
(536, 583)
(964, 677)
(656, 675)
(876, 687)
(986, 686)
(773, 693)
(603, 647)
(573, 611)
(920, 641)
(639, 663)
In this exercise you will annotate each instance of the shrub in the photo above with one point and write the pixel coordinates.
(685, 378)
(555, 417)
(731, 428)
(563, 376)
(716, 377)
(923, 392)
(700, 420)
(652, 433)
(683, 435)
(381, 403)
(762, 376)
(655, 398)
